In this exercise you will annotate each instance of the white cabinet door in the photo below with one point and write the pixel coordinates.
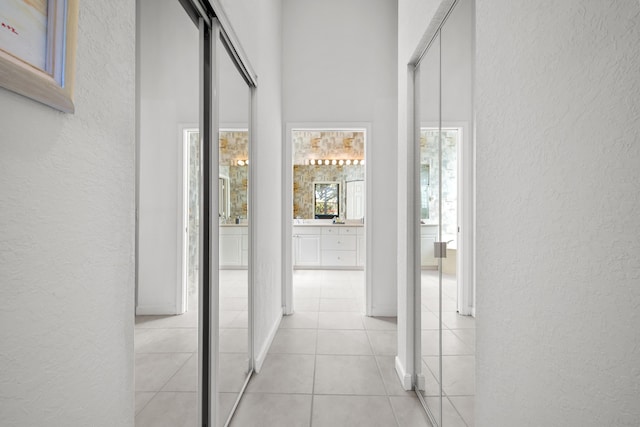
(230, 250)
(307, 250)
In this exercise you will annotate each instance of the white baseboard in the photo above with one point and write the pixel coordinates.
(262, 354)
(157, 310)
(391, 311)
(405, 378)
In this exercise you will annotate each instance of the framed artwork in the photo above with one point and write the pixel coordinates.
(38, 48)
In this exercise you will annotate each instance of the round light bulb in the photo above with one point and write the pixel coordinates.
(334, 162)
(326, 162)
(355, 162)
(341, 162)
(362, 162)
(348, 162)
(312, 161)
(240, 163)
(246, 162)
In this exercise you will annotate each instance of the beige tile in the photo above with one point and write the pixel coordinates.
(233, 371)
(284, 373)
(348, 375)
(370, 411)
(468, 336)
(338, 292)
(153, 370)
(341, 305)
(465, 407)
(380, 323)
(384, 342)
(172, 340)
(234, 340)
(387, 365)
(266, 410)
(169, 409)
(300, 320)
(343, 342)
(340, 321)
(450, 417)
(226, 400)
(458, 374)
(409, 411)
(429, 320)
(186, 379)
(457, 321)
(306, 304)
(233, 304)
(142, 398)
(451, 344)
(294, 341)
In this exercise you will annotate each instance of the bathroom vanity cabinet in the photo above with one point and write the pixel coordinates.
(234, 246)
(333, 246)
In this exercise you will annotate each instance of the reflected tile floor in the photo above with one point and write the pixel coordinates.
(166, 358)
(329, 365)
(458, 348)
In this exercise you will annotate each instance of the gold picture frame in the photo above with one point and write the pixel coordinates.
(51, 81)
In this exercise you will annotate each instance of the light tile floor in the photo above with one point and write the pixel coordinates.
(329, 365)
(458, 352)
(166, 358)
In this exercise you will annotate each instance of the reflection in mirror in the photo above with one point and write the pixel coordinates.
(234, 356)
(430, 349)
(328, 156)
(326, 200)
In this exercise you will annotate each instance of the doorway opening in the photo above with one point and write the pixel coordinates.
(327, 233)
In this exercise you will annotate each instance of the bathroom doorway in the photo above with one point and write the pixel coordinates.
(326, 233)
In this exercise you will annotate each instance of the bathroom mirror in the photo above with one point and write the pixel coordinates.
(234, 297)
(326, 200)
(327, 156)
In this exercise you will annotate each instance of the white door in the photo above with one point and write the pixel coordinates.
(355, 199)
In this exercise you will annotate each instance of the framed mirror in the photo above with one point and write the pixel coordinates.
(326, 200)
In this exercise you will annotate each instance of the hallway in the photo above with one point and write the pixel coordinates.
(329, 365)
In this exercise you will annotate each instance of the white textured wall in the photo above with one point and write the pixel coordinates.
(67, 239)
(558, 213)
(339, 66)
(168, 73)
(258, 26)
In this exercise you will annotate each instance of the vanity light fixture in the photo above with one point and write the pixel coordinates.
(334, 162)
(243, 162)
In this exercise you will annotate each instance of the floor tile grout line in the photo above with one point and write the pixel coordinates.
(155, 393)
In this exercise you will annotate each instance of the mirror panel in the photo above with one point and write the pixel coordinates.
(430, 314)
(234, 221)
(458, 359)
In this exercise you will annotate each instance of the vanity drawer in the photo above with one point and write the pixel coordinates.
(349, 231)
(338, 258)
(340, 243)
